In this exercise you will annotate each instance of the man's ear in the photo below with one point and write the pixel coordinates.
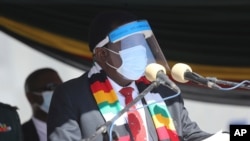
(29, 97)
(100, 54)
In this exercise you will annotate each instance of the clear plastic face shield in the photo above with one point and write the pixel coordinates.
(137, 34)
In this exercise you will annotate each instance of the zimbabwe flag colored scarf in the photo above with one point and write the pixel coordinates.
(109, 105)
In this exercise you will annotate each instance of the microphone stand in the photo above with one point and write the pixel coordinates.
(228, 83)
(105, 127)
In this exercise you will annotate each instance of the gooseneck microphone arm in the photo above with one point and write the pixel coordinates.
(183, 73)
(163, 79)
(106, 126)
(230, 83)
(200, 80)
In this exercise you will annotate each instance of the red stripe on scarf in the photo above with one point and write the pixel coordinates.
(143, 80)
(172, 135)
(97, 86)
(124, 138)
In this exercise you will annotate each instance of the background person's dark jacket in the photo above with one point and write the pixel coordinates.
(29, 131)
(10, 125)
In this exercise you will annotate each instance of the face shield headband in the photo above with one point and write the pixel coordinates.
(137, 33)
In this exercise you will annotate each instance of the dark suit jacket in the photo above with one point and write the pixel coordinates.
(29, 131)
(74, 114)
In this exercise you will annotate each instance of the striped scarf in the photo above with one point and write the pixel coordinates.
(109, 105)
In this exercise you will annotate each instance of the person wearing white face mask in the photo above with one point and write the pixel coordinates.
(134, 61)
(39, 88)
(122, 47)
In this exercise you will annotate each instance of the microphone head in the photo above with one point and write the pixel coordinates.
(152, 70)
(178, 72)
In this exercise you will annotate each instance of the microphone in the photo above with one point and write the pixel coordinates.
(156, 72)
(183, 73)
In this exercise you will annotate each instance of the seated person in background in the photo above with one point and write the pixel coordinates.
(123, 46)
(39, 87)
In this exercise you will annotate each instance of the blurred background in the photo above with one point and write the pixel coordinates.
(17, 61)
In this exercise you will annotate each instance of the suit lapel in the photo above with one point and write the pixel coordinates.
(150, 124)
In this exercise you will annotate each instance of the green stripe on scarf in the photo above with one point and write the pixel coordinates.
(159, 109)
(106, 107)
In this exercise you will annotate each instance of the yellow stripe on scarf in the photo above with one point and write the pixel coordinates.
(102, 96)
(160, 121)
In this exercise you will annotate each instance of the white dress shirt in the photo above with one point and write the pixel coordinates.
(138, 105)
(41, 128)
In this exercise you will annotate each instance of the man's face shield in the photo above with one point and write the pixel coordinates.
(133, 34)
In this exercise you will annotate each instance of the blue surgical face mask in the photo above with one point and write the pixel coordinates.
(134, 61)
(47, 96)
